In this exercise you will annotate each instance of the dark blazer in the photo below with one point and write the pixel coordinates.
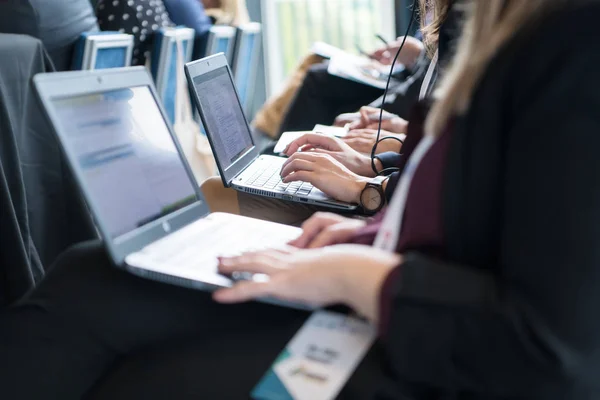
(513, 310)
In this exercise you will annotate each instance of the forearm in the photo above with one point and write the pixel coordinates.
(361, 283)
(388, 185)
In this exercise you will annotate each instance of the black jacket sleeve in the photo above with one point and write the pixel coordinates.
(390, 159)
(528, 324)
(391, 185)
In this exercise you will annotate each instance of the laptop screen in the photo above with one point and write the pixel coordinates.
(224, 119)
(128, 159)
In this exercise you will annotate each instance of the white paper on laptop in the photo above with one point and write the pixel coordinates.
(325, 50)
(288, 137)
(337, 131)
(358, 69)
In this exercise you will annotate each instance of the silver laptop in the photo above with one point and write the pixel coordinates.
(142, 194)
(240, 164)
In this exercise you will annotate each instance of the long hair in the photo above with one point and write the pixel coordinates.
(490, 25)
(433, 13)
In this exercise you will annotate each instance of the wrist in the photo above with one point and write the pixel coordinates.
(419, 52)
(358, 187)
(339, 283)
(378, 167)
(398, 125)
(366, 169)
(361, 286)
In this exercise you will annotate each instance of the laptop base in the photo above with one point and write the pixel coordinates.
(262, 178)
(188, 257)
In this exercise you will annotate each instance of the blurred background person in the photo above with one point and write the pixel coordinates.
(58, 24)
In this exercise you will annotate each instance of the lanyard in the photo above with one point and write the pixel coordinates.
(391, 226)
(428, 77)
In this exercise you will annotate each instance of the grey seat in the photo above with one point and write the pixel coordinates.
(41, 211)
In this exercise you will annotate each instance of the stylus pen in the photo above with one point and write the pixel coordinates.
(378, 36)
(362, 52)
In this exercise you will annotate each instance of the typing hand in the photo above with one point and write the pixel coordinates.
(324, 229)
(363, 140)
(369, 119)
(324, 173)
(394, 125)
(367, 116)
(356, 162)
(346, 118)
(347, 274)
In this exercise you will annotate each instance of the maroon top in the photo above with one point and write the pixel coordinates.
(422, 227)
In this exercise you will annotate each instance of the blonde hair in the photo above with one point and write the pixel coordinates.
(433, 13)
(490, 25)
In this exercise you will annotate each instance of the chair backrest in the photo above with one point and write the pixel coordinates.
(99, 50)
(245, 62)
(221, 39)
(58, 24)
(164, 63)
(41, 211)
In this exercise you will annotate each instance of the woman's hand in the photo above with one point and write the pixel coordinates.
(408, 56)
(369, 119)
(346, 118)
(325, 173)
(343, 274)
(363, 140)
(368, 115)
(325, 229)
(395, 125)
(353, 160)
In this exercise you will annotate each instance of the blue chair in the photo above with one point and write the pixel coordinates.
(221, 39)
(245, 62)
(99, 50)
(164, 63)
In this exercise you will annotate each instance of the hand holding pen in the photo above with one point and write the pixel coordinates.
(373, 56)
(412, 50)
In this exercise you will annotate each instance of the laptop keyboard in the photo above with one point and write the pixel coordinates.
(196, 246)
(267, 176)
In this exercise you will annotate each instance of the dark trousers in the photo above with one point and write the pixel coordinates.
(90, 328)
(322, 97)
